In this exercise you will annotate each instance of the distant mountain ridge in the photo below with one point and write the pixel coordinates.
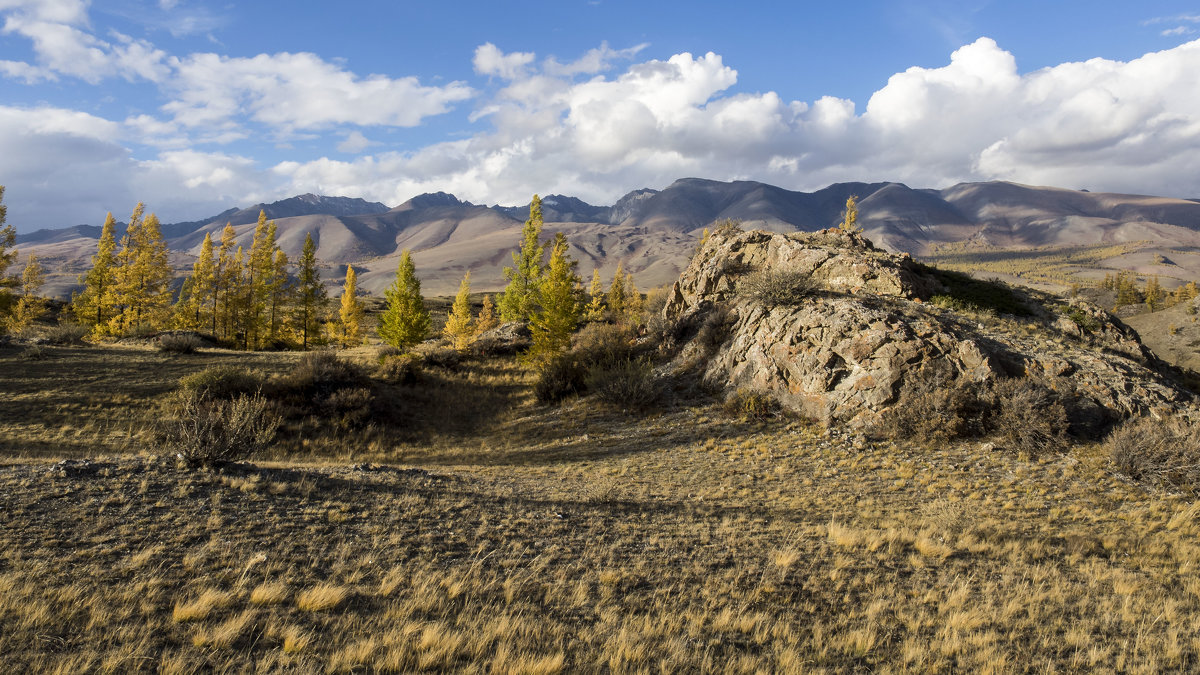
(652, 232)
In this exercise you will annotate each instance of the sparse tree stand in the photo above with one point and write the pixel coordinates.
(405, 322)
(351, 312)
(311, 298)
(559, 294)
(458, 325)
(143, 276)
(8, 239)
(94, 305)
(518, 299)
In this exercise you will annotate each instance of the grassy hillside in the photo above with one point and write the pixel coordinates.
(475, 529)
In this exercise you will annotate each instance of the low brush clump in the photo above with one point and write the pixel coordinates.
(777, 287)
(207, 432)
(1026, 415)
(1158, 451)
(601, 353)
(221, 382)
(629, 383)
(752, 405)
(179, 344)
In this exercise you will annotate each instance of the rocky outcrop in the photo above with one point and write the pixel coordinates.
(840, 348)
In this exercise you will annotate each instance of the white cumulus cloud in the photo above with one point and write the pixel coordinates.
(290, 92)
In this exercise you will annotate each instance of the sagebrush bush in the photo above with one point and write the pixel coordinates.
(747, 404)
(221, 382)
(67, 334)
(603, 344)
(400, 369)
(1162, 451)
(934, 408)
(776, 287)
(1027, 416)
(319, 374)
(560, 377)
(441, 357)
(348, 408)
(627, 384)
(173, 343)
(207, 432)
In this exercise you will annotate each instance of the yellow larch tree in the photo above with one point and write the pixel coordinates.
(93, 306)
(351, 312)
(458, 329)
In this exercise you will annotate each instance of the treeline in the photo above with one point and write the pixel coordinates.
(546, 294)
(258, 298)
(1129, 292)
(251, 299)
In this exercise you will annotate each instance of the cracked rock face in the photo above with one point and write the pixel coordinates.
(841, 350)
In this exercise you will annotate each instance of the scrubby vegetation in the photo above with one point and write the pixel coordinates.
(463, 505)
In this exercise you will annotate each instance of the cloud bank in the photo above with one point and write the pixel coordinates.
(595, 127)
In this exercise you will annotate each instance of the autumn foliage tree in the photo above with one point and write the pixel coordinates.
(93, 306)
(142, 288)
(29, 306)
(351, 312)
(458, 329)
(559, 296)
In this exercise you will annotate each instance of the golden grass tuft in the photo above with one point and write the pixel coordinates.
(323, 597)
(202, 606)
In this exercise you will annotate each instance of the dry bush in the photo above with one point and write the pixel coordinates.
(747, 404)
(1027, 416)
(207, 432)
(627, 384)
(934, 408)
(1163, 451)
(66, 334)
(776, 287)
(174, 343)
(348, 408)
(387, 352)
(603, 344)
(318, 375)
(560, 377)
(400, 369)
(441, 357)
(35, 353)
(220, 382)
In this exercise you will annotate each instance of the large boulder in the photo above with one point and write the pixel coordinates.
(865, 321)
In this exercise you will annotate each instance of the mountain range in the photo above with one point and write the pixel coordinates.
(653, 232)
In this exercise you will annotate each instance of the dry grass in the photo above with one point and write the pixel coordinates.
(566, 539)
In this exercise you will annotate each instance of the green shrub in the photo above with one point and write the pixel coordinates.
(964, 292)
(207, 432)
(220, 382)
(776, 287)
(626, 384)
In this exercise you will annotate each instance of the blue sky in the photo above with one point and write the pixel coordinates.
(195, 106)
